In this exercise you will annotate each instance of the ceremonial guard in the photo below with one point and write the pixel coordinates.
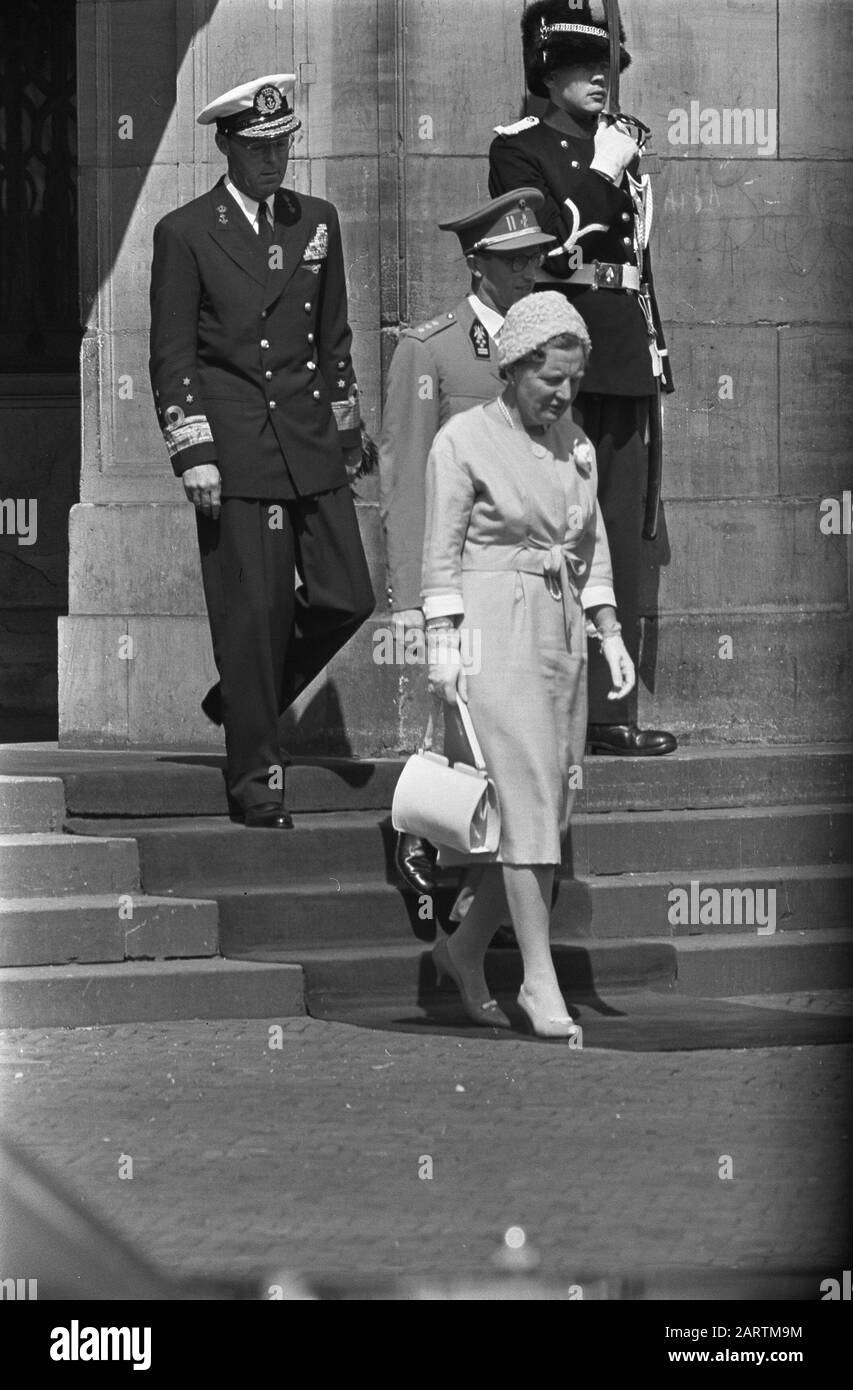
(440, 367)
(258, 403)
(598, 206)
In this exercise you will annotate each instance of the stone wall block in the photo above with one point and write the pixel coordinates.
(789, 679)
(93, 681)
(742, 241)
(139, 559)
(815, 56)
(136, 99)
(816, 422)
(137, 441)
(721, 422)
(452, 104)
(721, 56)
(749, 555)
(339, 107)
(171, 672)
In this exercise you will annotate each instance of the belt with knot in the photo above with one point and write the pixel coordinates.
(560, 566)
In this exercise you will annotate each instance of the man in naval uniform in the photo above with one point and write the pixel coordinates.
(598, 207)
(440, 367)
(258, 403)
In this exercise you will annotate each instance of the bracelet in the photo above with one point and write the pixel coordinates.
(603, 633)
(439, 624)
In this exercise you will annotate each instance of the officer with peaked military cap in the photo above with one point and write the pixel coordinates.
(441, 366)
(258, 402)
(598, 206)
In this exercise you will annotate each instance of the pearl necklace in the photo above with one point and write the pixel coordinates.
(538, 449)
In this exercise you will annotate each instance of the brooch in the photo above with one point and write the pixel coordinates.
(318, 247)
(223, 215)
(584, 457)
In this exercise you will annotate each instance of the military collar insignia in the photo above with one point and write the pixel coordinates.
(479, 340)
(223, 215)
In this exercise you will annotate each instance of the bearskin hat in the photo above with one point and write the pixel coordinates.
(549, 44)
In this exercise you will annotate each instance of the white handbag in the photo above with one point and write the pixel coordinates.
(456, 806)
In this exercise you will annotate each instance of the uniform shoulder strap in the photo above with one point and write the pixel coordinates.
(430, 327)
(526, 123)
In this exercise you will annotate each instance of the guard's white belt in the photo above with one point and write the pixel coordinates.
(607, 275)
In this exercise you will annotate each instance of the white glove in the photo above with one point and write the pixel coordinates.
(445, 673)
(622, 671)
(614, 151)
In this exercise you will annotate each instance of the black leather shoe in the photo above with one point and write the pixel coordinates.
(627, 741)
(268, 815)
(414, 860)
(212, 704)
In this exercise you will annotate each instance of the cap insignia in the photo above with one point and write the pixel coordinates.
(267, 100)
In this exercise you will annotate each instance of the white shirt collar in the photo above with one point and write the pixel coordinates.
(248, 206)
(491, 320)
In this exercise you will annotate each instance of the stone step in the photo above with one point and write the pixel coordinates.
(80, 929)
(47, 865)
(405, 972)
(624, 906)
(30, 804)
(171, 782)
(719, 967)
(627, 905)
(200, 855)
(724, 968)
(81, 996)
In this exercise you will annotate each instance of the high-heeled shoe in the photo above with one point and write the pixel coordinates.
(489, 1014)
(545, 1025)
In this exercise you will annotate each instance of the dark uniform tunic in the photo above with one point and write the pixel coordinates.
(595, 220)
(251, 370)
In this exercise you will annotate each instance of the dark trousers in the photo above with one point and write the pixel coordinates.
(270, 640)
(617, 426)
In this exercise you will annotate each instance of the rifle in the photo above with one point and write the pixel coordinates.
(640, 134)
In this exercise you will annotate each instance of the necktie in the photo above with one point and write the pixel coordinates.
(264, 225)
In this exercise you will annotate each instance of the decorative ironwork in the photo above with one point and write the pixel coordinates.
(39, 311)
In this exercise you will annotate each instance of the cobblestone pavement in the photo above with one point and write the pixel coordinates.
(314, 1155)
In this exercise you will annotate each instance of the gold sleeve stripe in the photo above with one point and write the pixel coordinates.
(193, 430)
(347, 414)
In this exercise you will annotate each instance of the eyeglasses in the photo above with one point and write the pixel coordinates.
(519, 261)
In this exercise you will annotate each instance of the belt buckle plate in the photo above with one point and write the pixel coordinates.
(606, 275)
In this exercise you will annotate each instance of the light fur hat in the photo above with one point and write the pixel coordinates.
(535, 320)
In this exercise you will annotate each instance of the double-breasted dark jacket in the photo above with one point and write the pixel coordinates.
(598, 221)
(250, 347)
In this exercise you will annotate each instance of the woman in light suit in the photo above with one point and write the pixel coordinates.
(516, 553)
